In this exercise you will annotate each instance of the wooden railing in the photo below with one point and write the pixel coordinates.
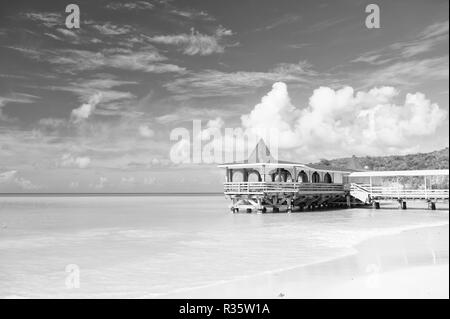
(380, 192)
(281, 187)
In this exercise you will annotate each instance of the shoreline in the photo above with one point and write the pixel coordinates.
(380, 267)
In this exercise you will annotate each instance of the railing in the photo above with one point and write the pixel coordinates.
(281, 187)
(380, 192)
(361, 192)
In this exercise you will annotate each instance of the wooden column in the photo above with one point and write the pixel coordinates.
(229, 175)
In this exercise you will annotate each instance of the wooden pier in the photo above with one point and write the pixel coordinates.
(279, 196)
(373, 194)
(262, 184)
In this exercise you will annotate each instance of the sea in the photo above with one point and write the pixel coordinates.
(152, 246)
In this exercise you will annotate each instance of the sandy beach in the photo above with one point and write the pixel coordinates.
(412, 264)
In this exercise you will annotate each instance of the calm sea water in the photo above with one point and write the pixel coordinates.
(150, 246)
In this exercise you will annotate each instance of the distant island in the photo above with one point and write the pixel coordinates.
(432, 160)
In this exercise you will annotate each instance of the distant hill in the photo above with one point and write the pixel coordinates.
(432, 160)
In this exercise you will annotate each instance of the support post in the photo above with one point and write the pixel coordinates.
(289, 205)
(349, 202)
(426, 193)
(260, 207)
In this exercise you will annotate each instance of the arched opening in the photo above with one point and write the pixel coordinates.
(281, 175)
(315, 178)
(302, 177)
(327, 178)
(238, 176)
(278, 176)
(288, 177)
(254, 176)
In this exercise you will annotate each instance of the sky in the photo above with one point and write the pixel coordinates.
(98, 108)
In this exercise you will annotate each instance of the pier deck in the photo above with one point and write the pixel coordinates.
(288, 196)
(367, 193)
(261, 188)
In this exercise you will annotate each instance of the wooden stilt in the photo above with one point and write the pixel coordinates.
(349, 201)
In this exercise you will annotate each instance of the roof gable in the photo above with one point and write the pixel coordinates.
(261, 154)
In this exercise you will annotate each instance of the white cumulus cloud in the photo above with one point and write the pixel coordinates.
(342, 122)
(86, 109)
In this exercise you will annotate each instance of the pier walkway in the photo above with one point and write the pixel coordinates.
(371, 193)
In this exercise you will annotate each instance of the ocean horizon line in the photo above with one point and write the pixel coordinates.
(111, 194)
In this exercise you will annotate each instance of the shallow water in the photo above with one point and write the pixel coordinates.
(150, 246)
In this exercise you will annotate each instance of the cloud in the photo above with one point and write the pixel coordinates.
(335, 121)
(137, 5)
(52, 122)
(74, 184)
(146, 131)
(144, 59)
(100, 184)
(7, 176)
(128, 180)
(15, 98)
(196, 43)
(275, 111)
(193, 14)
(430, 37)
(11, 179)
(114, 97)
(49, 19)
(407, 73)
(86, 109)
(285, 19)
(68, 160)
(111, 29)
(149, 180)
(325, 25)
(67, 33)
(437, 29)
(213, 83)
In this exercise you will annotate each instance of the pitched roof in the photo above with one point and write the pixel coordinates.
(261, 154)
